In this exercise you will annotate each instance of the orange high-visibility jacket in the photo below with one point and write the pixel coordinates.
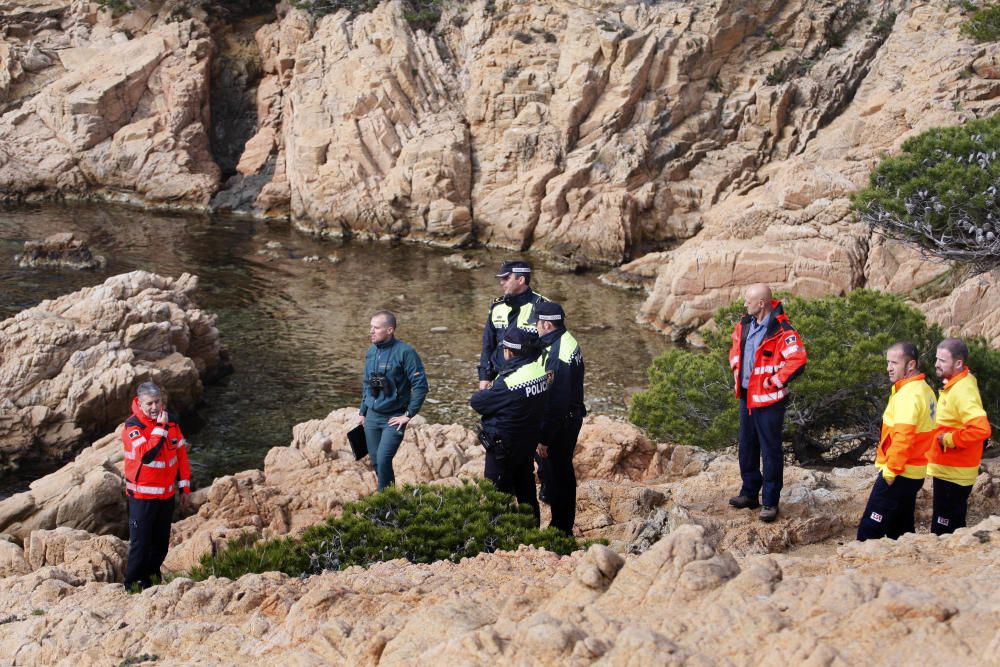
(156, 460)
(907, 430)
(780, 357)
(962, 421)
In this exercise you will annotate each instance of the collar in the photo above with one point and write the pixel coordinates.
(520, 299)
(951, 382)
(896, 387)
(386, 343)
(516, 362)
(552, 336)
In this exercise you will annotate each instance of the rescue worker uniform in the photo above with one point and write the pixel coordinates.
(506, 312)
(156, 467)
(564, 415)
(512, 409)
(901, 457)
(954, 464)
(762, 374)
(401, 391)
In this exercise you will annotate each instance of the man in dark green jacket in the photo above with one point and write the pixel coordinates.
(393, 389)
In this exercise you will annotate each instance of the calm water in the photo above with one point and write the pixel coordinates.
(297, 330)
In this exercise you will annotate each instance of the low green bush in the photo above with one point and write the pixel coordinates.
(983, 25)
(420, 14)
(941, 194)
(838, 399)
(421, 523)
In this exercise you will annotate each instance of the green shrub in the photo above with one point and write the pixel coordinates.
(941, 194)
(420, 14)
(116, 7)
(422, 523)
(838, 399)
(984, 24)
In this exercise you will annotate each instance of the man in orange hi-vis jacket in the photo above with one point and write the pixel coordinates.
(901, 456)
(156, 468)
(767, 353)
(960, 429)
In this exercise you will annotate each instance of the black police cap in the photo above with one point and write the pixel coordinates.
(516, 339)
(550, 311)
(517, 267)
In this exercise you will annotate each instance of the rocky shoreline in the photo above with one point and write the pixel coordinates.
(697, 147)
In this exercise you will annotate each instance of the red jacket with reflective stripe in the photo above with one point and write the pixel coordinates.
(156, 460)
(780, 357)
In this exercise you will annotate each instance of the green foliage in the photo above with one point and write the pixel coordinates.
(984, 24)
(422, 523)
(838, 399)
(138, 659)
(941, 194)
(116, 7)
(420, 14)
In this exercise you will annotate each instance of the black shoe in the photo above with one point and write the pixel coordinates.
(768, 513)
(744, 502)
(543, 495)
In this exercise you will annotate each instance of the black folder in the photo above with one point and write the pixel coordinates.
(356, 438)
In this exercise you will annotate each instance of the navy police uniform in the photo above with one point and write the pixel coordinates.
(506, 312)
(512, 410)
(564, 414)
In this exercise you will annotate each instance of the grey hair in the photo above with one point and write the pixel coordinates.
(149, 389)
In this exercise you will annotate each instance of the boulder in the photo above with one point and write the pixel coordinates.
(69, 366)
(59, 250)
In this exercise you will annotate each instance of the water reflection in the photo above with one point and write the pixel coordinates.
(294, 313)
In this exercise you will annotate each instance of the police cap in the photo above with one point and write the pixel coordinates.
(550, 311)
(517, 267)
(518, 339)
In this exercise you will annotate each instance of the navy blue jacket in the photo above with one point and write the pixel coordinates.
(514, 405)
(407, 381)
(564, 367)
(518, 310)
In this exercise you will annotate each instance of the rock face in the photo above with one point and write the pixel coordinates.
(59, 250)
(68, 367)
(102, 114)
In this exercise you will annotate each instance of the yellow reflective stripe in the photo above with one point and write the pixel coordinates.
(961, 475)
(910, 471)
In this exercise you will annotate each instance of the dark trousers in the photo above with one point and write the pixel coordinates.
(951, 502)
(148, 539)
(760, 441)
(513, 472)
(889, 512)
(383, 442)
(560, 477)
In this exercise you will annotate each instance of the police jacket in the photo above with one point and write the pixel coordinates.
(780, 358)
(156, 460)
(514, 405)
(406, 382)
(564, 368)
(505, 311)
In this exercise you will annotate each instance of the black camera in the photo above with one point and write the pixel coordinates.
(377, 383)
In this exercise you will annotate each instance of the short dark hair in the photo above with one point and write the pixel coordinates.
(388, 316)
(908, 349)
(957, 348)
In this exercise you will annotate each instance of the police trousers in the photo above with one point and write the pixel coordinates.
(560, 477)
(890, 508)
(509, 465)
(148, 539)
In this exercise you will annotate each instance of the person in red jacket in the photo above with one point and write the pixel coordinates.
(156, 467)
(766, 354)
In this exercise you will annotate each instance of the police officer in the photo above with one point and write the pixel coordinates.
(563, 414)
(156, 466)
(515, 307)
(392, 392)
(512, 408)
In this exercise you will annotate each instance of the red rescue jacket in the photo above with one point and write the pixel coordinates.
(780, 358)
(156, 460)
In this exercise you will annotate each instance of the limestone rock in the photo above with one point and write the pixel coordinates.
(59, 250)
(82, 555)
(68, 366)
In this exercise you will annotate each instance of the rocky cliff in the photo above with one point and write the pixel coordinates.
(687, 580)
(707, 143)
